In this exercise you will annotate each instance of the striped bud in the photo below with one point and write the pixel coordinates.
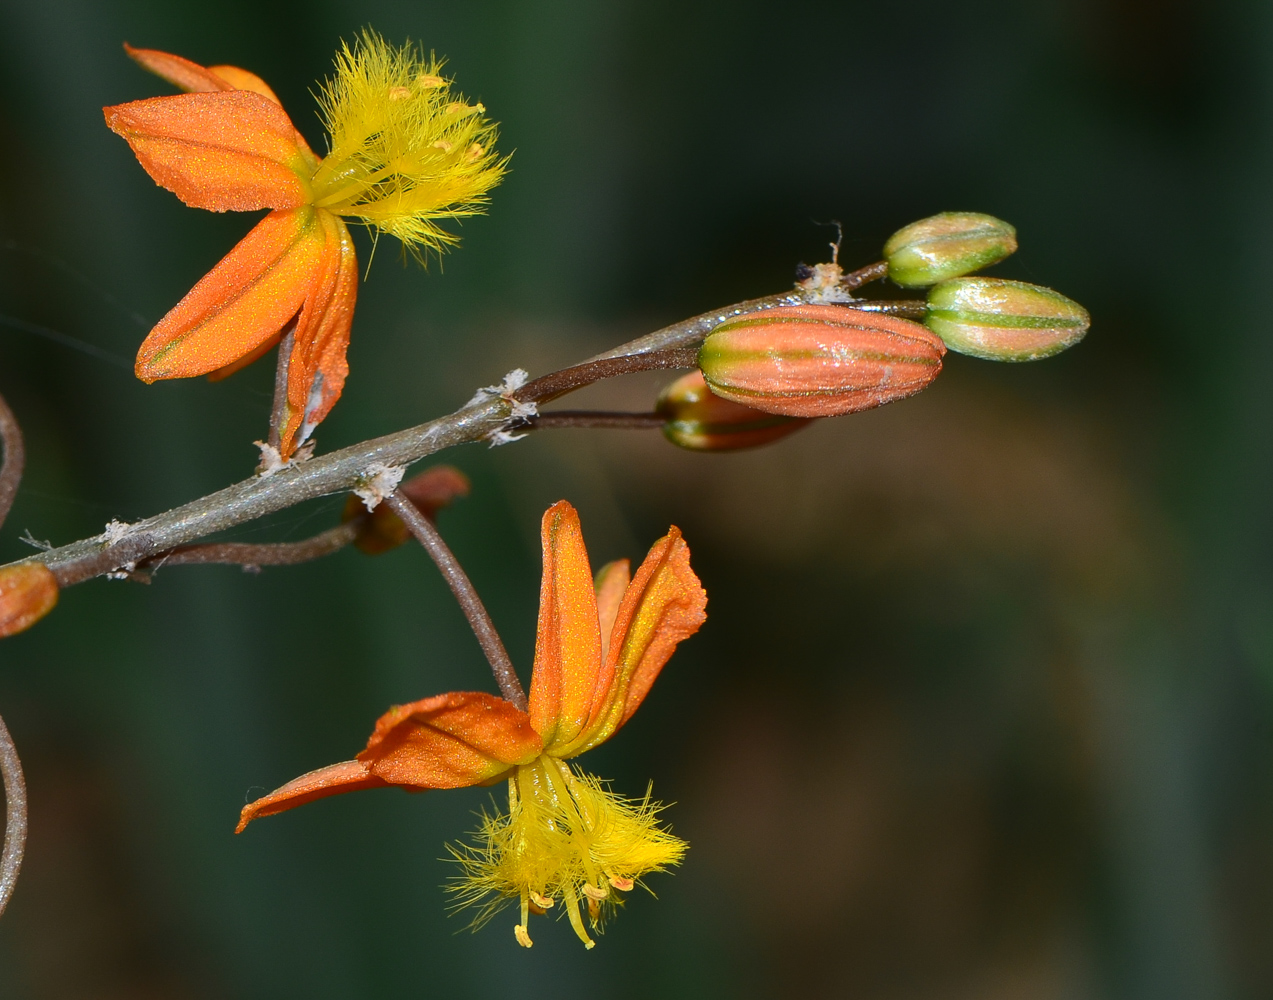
(946, 246)
(381, 529)
(700, 420)
(28, 592)
(818, 361)
(1004, 320)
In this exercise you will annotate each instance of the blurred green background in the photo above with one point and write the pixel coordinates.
(984, 701)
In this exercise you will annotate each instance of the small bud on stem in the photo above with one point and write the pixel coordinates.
(946, 246)
(1003, 320)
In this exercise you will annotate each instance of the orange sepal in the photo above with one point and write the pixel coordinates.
(664, 604)
(232, 151)
(568, 642)
(181, 73)
(317, 367)
(28, 592)
(241, 303)
(347, 776)
(450, 741)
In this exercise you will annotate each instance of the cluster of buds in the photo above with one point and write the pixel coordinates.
(765, 374)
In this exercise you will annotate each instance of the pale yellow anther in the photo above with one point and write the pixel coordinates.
(443, 145)
(622, 884)
(399, 93)
(425, 81)
(592, 892)
(522, 935)
(476, 151)
(543, 902)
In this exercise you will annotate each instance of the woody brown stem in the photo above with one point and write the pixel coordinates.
(908, 308)
(465, 593)
(345, 470)
(864, 275)
(267, 554)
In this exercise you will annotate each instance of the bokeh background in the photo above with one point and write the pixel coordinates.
(983, 705)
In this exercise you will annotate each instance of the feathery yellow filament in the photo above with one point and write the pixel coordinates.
(565, 836)
(405, 151)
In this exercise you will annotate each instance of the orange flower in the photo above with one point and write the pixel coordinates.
(403, 154)
(599, 648)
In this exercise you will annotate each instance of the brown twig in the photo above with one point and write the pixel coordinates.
(566, 380)
(596, 418)
(462, 587)
(909, 308)
(266, 554)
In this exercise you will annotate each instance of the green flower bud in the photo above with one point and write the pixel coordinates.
(946, 246)
(1004, 320)
(700, 420)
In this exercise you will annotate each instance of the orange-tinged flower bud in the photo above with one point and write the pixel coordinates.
(430, 491)
(27, 593)
(1004, 320)
(947, 245)
(700, 420)
(819, 361)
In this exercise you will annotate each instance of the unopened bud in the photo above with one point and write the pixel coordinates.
(1004, 320)
(28, 592)
(381, 529)
(818, 361)
(946, 246)
(700, 420)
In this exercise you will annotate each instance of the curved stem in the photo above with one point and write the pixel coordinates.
(14, 458)
(15, 788)
(474, 610)
(15, 809)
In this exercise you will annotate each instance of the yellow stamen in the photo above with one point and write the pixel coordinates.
(523, 936)
(399, 93)
(622, 884)
(576, 921)
(427, 81)
(543, 902)
(592, 892)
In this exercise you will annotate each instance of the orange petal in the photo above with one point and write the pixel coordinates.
(230, 151)
(348, 776)
(568, 643)
(242, 79)
(663, 605)
(450, 741)
(611, 582)
(317, 367)
(241, 303)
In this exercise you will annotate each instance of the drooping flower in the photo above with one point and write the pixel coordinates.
(404, 152)
(600, 645)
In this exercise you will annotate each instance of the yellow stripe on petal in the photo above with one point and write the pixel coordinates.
(241, 303)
